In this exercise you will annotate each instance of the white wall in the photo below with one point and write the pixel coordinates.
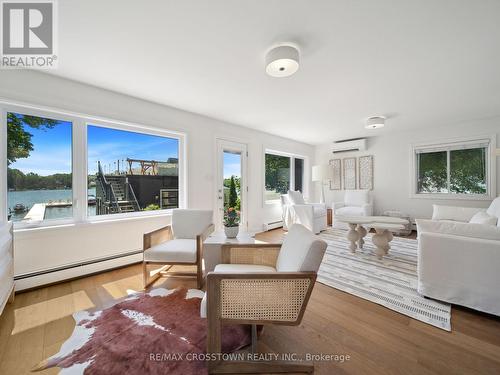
(392, 166)
(35, 249)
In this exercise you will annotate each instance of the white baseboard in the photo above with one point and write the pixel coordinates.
(273, 225)
(75, 271)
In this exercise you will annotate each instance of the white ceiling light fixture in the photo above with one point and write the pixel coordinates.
(375, 122)
(282, 61)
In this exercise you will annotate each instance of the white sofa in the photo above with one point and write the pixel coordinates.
(356, 203)
(297, 211)
(459, 257)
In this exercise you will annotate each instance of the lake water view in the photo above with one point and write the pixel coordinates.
(30, 197)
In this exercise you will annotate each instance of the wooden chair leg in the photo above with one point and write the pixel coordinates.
(147, 281)
(199, 275)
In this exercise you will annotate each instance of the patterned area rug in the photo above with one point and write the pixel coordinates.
(390, 282)
(159, 332)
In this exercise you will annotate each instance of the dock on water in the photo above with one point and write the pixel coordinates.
(36, 213)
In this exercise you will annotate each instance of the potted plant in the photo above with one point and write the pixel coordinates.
(231, 222)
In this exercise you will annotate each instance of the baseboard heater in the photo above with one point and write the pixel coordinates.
(71, 271)
(273, 225)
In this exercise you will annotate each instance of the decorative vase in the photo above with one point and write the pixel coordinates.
(231, 232)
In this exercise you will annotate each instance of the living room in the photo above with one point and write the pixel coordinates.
(334, 163)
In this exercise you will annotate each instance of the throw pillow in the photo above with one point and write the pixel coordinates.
(483, 218)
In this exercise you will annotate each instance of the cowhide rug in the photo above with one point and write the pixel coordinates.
(139, 334)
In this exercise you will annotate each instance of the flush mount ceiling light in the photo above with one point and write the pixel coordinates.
(375, 122)
(282, 61)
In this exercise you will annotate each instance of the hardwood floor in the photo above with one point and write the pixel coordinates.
(377, 340)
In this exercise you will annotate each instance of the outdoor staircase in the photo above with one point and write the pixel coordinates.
(114, 194)
(118, 185)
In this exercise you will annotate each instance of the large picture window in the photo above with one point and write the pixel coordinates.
(130, 171)
(63, 168)
(455, 169)
(39, 168)
(282, 173)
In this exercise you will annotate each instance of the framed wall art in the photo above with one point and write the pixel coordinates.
(365, 172)
(336, 181)
(349, 171)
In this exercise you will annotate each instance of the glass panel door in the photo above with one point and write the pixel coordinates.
(231, 191)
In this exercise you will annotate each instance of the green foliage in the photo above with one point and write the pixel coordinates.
(227, 190)
(231, 217)
(19, 143)
(233, 195)
(432, 172)
(152, 207)
(277, 173)
(17, 180)
(467, 171)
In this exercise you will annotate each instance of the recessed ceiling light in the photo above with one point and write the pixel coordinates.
(282, 61)
(375, 122)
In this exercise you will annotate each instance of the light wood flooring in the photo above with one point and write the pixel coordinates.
(378, 340)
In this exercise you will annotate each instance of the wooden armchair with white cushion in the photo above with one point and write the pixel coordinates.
(261, 284)
(178, 244)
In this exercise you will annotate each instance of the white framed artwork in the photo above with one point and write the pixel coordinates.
(349, 169)
(365, 172)
(336, 181)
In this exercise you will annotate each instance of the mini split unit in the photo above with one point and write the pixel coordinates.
(349, 145)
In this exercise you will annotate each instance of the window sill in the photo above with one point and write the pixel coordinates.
(106, 219)
(452, 197)
(272, 203)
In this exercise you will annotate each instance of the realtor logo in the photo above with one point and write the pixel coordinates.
(28, 37)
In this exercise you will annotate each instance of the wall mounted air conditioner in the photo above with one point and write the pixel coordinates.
(349, 145)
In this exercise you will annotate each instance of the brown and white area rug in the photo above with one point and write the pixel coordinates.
(390, 282)
(147, 333)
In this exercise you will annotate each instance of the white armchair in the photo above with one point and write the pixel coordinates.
(178, 244)
(297, 211)
(459, 256)
(356, 203)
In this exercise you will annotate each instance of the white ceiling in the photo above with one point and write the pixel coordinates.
(422, 63)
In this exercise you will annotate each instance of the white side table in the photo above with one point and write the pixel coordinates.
(212, 247)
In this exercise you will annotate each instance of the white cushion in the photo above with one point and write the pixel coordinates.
(494, 209)
(190, 223)
(349, 211)
(483, 218)
(301, 251)
(295, 197)
(177, 250)
(242, 268)
(463, 214)
(356, 197)
(485, 232)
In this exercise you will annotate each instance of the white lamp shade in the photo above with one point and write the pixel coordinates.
(497, 152)
(322, 172)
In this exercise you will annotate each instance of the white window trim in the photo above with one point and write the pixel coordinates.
(79, 162)
(490, 168)
(292, 156)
